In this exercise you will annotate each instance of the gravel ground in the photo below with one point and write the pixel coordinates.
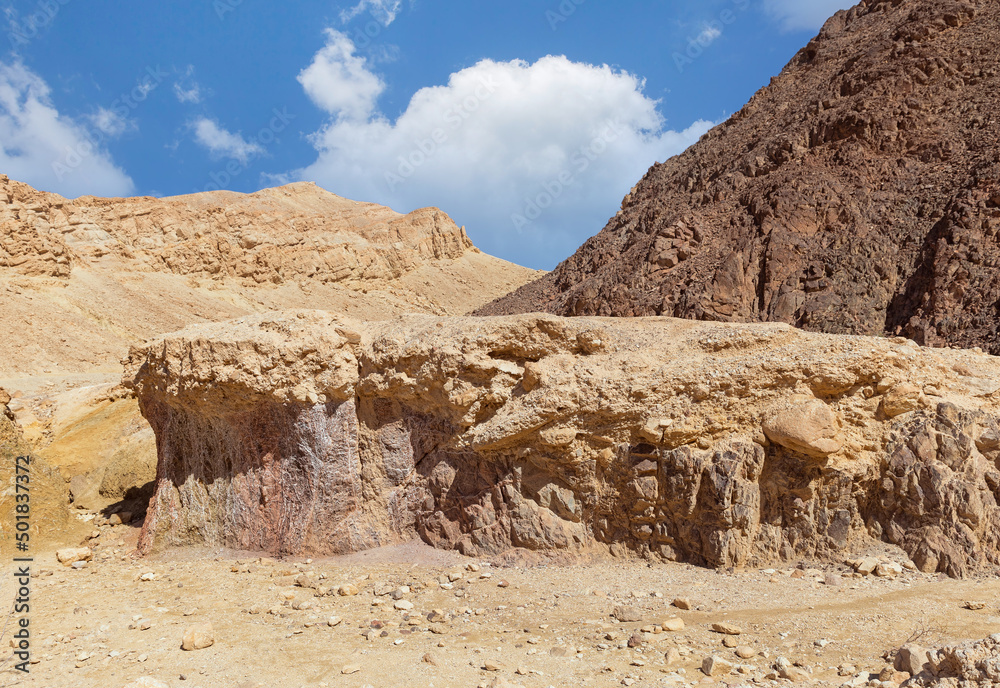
(496, 624)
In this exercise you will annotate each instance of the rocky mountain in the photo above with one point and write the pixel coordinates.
(81, 280)
(715, 444)
(859, 192)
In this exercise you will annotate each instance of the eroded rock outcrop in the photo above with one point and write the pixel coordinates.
(720, 445)
(858, 192)
(966, 665)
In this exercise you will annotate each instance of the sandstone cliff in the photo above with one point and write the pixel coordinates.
(715, 444)
(81, 280)
(858, 193)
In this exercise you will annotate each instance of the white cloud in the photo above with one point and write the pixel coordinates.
(708, 36)
(188, 95)
(496, 142)
(804, 15)
(112, 123)
(50, 151)
(186, 89)
(339, 81)
(384, 11)
(224, 143)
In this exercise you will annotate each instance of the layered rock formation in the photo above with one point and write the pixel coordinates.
(715, 444)
(81, 280)
(859, 193)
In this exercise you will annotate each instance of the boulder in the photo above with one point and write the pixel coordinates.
(807, 426)
(902, 398)
(912, 659)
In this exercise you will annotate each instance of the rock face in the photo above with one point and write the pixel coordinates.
(714, 444)
(970, 665)
(81, 280)
(49, 517)
(859, 193)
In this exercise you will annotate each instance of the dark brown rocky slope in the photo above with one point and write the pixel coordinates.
(858, 193)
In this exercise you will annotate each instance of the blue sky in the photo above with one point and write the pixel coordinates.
(526, 121)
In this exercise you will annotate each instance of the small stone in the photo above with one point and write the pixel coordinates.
(715, 666)
(866, 566)
(682, 603)
(302, 604)
(334, 621)
(635, 640)
(348, 590)
(490, 665)
(745, 652)
(727, 629)
(974, 606)
(888, 570)
(70, 555)
(198, 637)
(431, 659)
(351, 669)
(403, 605)
(627, 614)
(675, 624)
(672, 656)
(794, 674)
(833, 580)
(729, 642)
(148, 576)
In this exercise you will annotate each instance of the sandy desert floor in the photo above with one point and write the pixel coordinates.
(461, 622)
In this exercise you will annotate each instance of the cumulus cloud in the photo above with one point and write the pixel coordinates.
(384, 11)
(339, 81)
(801, 15)
(533, 158)
(51, 151)
(224, 143)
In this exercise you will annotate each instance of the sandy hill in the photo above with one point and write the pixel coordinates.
(82, 280)
(859, 193)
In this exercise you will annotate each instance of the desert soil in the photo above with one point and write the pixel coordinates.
(504, 624)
